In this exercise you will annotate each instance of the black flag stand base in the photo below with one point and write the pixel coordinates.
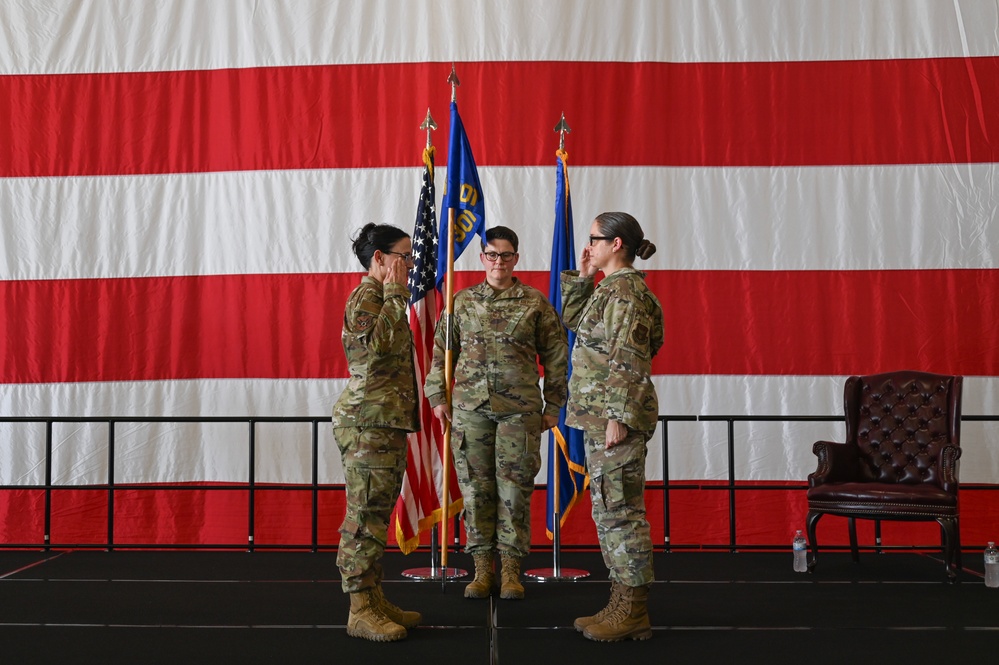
(435, 571)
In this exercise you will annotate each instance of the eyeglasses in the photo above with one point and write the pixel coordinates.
(595, 238)
(493, 256)
(407, 257)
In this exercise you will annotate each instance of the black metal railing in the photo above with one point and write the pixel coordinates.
(251, 486)
(733, 488)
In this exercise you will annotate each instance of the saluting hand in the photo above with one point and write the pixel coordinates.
(586, 267)
(397, 271)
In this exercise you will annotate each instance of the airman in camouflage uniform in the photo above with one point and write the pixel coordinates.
(371, 419)
(619, 328)
(501, 330)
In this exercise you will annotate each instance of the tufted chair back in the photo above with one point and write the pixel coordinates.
(899, 460)
(902, 423)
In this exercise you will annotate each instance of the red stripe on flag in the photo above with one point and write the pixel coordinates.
(913, 111)
(287, 326)
(811, 322)
(229, 326)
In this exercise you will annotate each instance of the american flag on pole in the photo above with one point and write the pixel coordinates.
(419, 504)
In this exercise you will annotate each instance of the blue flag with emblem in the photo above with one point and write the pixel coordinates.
(568, 453)
(464, 195)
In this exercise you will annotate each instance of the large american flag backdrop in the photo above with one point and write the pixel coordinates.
(179, 180)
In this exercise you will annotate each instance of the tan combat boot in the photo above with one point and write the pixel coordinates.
(482, 585)
(367, 620)
(510, 586)
(405, 618)
(615, 598)
(629, 620)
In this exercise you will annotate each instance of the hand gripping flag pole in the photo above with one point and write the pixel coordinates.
(421, 504)
(567, 477)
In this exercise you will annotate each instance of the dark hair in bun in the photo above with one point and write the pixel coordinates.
(624, 226)
(373, 237)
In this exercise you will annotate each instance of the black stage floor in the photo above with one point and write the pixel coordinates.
(282, 607)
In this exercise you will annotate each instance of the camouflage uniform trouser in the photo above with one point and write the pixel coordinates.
(496, 459)
(374, 461)
(617, 492)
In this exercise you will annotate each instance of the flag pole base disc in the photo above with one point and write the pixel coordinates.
(435, 573)
(563, 574)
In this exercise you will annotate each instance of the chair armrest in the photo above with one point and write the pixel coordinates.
(837, 463)
(948, 468)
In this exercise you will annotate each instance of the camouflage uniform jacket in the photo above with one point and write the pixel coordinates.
(619, 327)
(498, 338)
(378, 344)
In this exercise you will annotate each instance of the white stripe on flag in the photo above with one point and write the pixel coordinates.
(123, 35)
(826, 218)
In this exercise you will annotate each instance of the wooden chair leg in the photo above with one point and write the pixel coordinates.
(877, 537)
(813, 543)
(957, 543)
(853, 540)
(949, 535)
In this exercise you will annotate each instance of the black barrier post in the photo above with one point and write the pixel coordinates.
(252, 484)
(731, 485)
(110, 543)
(48, 485)
(315, 485)
(665, 438)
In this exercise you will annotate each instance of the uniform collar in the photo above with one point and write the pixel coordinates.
(624, 272)
(371, 281)
(483, 290)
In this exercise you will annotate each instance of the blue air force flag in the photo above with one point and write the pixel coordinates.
(464, 195)
(568, 458)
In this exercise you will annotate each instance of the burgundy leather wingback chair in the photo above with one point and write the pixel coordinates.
(899, 461)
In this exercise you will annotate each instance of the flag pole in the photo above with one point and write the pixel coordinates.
(556, 572)
(452, 79)
(434, 571)
(562, 128)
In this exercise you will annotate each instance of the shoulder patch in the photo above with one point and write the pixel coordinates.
(639, 334)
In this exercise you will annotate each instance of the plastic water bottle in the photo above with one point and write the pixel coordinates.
(799, 545)
(991, 566)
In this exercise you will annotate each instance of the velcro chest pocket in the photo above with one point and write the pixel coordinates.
(506, 315)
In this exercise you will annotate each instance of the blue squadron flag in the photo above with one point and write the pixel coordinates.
(464, 194)
(566, 443)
